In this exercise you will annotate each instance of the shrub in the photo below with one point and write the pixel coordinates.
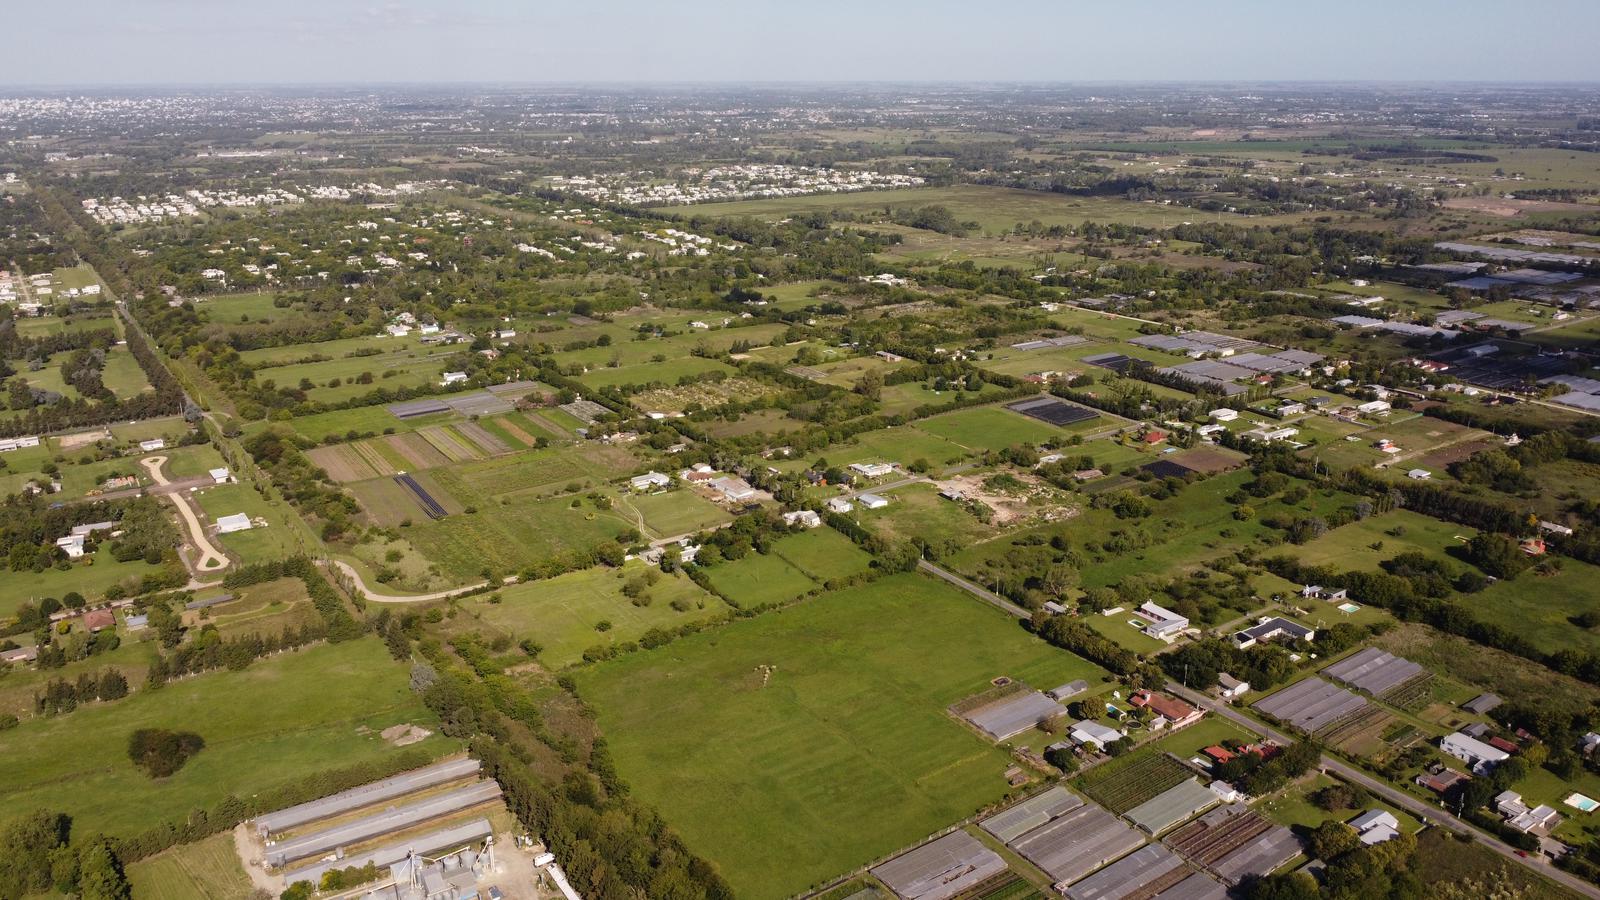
(160, 752)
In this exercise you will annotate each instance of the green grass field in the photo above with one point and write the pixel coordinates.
(561, 613)
(208, 868)
(273, 541)
(89, 580)
(1538, 607)
(823, 554)
(989, 428)
(511, 536)
(265, 726)
(847, 752)
(1351, 546)
(758, 579)
(917, 511)
(675, 512)
(667, 372)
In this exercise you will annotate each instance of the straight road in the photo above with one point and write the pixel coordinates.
(1392, 795)
(987, 596)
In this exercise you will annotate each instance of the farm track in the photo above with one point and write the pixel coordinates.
(516, 431)
(370, 455)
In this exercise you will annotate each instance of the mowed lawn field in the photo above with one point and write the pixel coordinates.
(990, 428)
(266, 726)
(847, 752)
(561, 613)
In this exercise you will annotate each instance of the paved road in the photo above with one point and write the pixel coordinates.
(1391, 794)
(987, 596)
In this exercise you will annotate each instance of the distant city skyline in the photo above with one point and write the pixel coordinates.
(205, 42)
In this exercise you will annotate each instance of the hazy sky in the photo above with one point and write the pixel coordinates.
(52, 42)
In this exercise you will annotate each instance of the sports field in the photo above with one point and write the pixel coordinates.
(265, 726)
(845, 754)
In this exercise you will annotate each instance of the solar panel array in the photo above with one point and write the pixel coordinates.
(1053, 411)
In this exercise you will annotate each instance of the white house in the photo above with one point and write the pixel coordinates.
(805, 518)
(733, 488)
(152, 445)
(1419, 474)
(453, 378)
(221, 476)
(1374, 408)
(235, 522)
(840, 505)
(1092, 734)
(871, 470)
(1224, 414)
(649, 481)
(872, 501)
(1375, 826)
(18, 443)
(1479, 756)
(1164, 624)
(397, 330)
(1231, 688)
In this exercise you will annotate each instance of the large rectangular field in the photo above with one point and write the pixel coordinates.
(988, 428)
(271, 724)
(562, 613)
(844, 754)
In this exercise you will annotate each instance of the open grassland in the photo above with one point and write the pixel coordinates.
(758, 579)
(822, 553)
(362, 420)
(917, 511)
(666, 372)
(274, 540)
(511, 536)
(1365, 544)
(561, 613)
(845, 754)
(230, 309)
(90, 580)
(1540, 607)
(265, 726)
(674, 512)
(989, 428)
(1516, 679)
